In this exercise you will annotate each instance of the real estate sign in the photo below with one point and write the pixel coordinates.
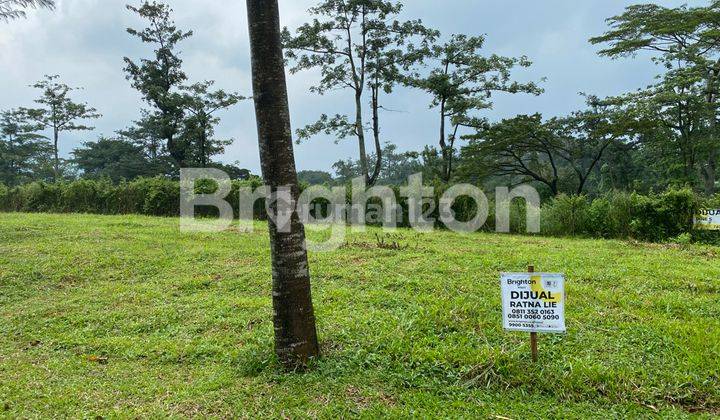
(708, 219)
(533, 302)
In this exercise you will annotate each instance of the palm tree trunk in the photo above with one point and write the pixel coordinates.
(295, 333)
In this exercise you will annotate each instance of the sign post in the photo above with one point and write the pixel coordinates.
(533, 335)
(533, 303)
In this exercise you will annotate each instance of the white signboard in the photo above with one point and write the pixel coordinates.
(533, 302)
(708, 219)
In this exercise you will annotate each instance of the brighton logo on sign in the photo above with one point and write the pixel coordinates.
(533, 302)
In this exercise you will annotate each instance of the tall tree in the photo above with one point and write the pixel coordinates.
(358, 45)
(60, 113)
(585, 137)
(24, 154)
(160, 77)
(201, 106)
(116, 159)
(671, 120)
(15, 9)
(462, 82)
(521, 148)
(562, 152)
(295, 332)
(685, 39)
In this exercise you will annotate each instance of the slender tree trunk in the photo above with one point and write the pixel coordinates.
(295, 333)
(376, 135)
(203, 146)
(711, 166)
(56, 166)
(709, 173)
(581, 187)
(361, 136)
(443, 144)
(554, 188)
(451, 154)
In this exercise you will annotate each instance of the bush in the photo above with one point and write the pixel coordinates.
(610, 216)
(658, 217)
(159, 196)
(85, 196)
(621, 215)
(566, 215)
(4, 197)
(40, 197)
(661, 217)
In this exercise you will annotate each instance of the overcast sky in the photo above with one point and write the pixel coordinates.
(84, 41)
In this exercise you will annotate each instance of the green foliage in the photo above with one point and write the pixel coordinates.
(161, 196)
(395, 167)
(566, 215)
(15, 9)
(201, 105)
(115, 159)
(83, 196)
(24, 154)
(611, 214)
(59, 113)
(315, 177)
(683, 106)
(664, 216)
(182, 118)
(4, 197)
(653, 218)
(360, 46)
(159, 78)
(461, 82)
(157, 196)
(39, 197)
(562, 154)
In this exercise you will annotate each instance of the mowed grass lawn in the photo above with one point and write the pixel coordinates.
(128, 317)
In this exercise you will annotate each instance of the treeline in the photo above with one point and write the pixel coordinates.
(619, 215)
(660, 137)
(177, 127)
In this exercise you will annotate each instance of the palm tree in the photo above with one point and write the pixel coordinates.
(15, 9)
(294, 319)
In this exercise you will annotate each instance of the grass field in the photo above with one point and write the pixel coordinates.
(128, 317)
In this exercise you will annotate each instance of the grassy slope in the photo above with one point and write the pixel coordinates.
(184, 322)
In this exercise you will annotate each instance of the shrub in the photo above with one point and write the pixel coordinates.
(40, 197)
(610, 216)
(85, 196)
(4, 198)
(159, 196)
(661, 217)
(658, 217)
(123, 199)
(566, 215)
